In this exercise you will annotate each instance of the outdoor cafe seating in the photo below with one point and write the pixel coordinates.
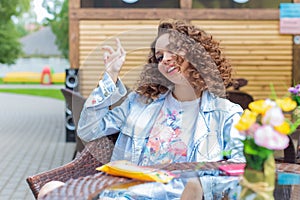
(84, 182)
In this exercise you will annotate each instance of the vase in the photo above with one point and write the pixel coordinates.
(259, 184)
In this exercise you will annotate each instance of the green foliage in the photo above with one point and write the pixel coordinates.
(21, 30)
(10, 48)
(10, 8)
(255, 155)
(60, 23)
(51, 93)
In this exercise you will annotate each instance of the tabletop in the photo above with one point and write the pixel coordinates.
(89, 186)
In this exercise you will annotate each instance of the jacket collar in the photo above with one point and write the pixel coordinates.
(207, 103)
(162, 96)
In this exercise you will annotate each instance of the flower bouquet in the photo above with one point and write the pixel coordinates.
(265, 129)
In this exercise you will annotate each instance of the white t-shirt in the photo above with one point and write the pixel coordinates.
(171, 133)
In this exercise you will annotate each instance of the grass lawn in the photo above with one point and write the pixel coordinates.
(52, 93)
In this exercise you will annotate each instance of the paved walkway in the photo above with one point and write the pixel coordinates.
(32, 136)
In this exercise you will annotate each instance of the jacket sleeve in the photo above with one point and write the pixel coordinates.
(233, 145)
(220, 187)
(96, 120)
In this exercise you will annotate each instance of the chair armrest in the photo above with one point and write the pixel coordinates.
(84, 165)
(95, 154)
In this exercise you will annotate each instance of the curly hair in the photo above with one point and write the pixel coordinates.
(208, 69)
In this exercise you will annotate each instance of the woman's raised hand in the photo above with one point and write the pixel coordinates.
(114, 59)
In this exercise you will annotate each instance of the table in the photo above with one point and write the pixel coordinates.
(88, 187)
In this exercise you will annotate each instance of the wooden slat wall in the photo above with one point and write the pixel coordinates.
(136, 37)
(256, 49)
(257, 52)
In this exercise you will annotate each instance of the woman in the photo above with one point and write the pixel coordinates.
(177, 113)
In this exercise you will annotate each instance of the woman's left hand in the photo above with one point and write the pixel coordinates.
(114, 59)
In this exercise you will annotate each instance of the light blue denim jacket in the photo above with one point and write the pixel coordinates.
(214, 132)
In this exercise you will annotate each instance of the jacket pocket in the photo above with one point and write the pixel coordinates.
(208, 147)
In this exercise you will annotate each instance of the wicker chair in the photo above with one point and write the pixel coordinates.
(291, 153)
(74, 102)
(90, 155)
(85, 164)
(237, 96)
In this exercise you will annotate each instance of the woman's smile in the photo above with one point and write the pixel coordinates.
(167, 61)
(171, 69)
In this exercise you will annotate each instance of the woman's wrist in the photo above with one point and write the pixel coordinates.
(113, 75)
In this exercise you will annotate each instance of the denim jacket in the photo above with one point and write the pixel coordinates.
(213, 134)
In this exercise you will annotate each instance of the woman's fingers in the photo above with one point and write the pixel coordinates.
(108, 48)
(111, 50)
(105, 57)
(119, 47)
(111, 54)
(114, 58)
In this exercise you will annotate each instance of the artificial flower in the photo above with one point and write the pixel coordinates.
(267, 137)
(265, 122)
(283, 128)
(265, 131)
(295, 90)
(295, 93)
(287, 104)
(273, 116)
(260, 106)
(250, 132)
(247, 119)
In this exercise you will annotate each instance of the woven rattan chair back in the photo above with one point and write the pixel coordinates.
(94, 154)
(237, 96)
(85, 164)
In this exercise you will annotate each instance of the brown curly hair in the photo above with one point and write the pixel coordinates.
(208, 69)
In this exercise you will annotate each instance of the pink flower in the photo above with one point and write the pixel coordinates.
(267, 137)
(252, 129)
(273, 116)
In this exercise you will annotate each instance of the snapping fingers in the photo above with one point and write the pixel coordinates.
(119, 47)
(108, 48)
(105, 57)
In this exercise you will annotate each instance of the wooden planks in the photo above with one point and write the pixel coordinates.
(255, 48)
(136, 37)
(257, 52)
(178, 13)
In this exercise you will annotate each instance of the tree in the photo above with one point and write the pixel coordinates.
(59, 24)
(10, 47)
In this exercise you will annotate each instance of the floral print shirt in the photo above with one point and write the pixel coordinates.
(170, 135)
